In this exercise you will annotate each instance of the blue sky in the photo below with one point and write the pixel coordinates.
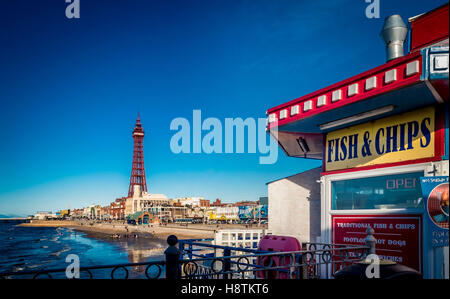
(70, 89)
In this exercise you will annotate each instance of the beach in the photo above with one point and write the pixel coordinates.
(46, 245)
(154, 231)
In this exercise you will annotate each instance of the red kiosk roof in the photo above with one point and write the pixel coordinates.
(415, 80)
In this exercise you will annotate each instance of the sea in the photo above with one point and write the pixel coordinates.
(43, 248)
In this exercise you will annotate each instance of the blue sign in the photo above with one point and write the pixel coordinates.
(246, 212)
(253, 212)
(435, 194)
(262, 211)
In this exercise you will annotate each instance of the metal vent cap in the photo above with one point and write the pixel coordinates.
(394, 34)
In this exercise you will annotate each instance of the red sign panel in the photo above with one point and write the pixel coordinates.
(399, 237)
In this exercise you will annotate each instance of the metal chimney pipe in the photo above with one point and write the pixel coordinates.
(394, 34)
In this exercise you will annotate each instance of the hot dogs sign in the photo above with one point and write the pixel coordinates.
(403, 137)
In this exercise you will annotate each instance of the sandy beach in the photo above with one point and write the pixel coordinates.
(191, 231)
(144, 231)
(45, 223)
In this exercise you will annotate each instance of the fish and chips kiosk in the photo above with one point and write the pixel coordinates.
(379, 134)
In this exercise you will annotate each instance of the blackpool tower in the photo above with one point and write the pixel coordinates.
(138, 172)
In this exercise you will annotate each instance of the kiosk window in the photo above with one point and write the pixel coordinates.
(382, 192)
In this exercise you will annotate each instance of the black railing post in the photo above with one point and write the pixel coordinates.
(190, 250)
(173, 269)
(226, 262)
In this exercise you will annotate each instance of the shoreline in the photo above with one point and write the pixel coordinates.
(150, 231)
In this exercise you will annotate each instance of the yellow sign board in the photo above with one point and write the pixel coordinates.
(64, 212)
(403, 137)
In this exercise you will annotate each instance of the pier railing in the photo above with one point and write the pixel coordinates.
(149, 270)
(200, 259)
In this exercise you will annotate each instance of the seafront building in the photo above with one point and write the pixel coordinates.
(143, 201)
(383, 138)
(139, 203)
(44, 215)
(224, 214)
(117, 209)
(218, 203)
(192, 201)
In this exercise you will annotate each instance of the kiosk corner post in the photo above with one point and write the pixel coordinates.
(370, 240)
(173, 270)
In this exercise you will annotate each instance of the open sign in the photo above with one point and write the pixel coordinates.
(401, 183)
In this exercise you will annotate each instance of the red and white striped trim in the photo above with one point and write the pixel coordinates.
(392, 75)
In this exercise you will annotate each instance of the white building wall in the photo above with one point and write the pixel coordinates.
(294, 206)
(228, 212)
(192, 201)
(245, 238)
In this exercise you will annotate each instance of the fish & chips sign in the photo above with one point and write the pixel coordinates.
(403, 137)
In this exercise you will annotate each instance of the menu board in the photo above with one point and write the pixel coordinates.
(399, 237)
